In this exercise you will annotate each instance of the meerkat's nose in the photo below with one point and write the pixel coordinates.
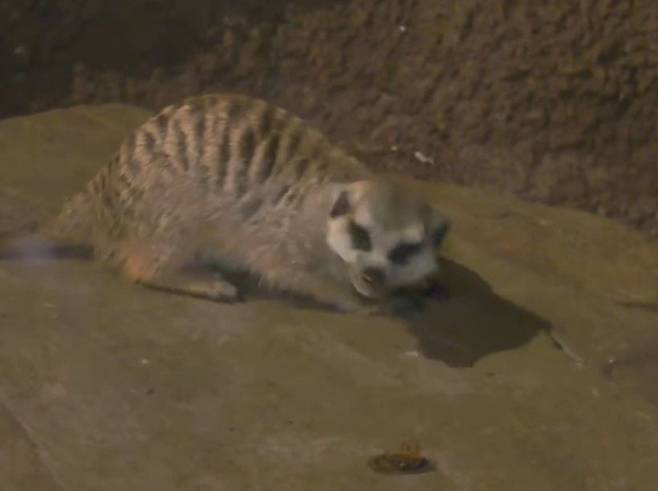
(373, 276)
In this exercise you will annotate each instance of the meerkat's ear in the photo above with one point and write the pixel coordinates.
(341, 204)
(440, 231)
(437, 225)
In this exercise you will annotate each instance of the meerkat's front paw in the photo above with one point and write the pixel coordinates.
(338, 296)
(219, 290)
(358, 306)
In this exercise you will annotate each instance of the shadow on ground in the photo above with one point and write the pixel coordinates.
(472, 322)
(469, 324)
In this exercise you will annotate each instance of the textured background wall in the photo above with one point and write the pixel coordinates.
(554, 101)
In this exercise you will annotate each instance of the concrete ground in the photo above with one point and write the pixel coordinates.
(539, 373)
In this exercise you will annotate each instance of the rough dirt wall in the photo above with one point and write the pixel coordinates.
(554, 101)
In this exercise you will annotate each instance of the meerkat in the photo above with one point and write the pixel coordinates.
(235, 180)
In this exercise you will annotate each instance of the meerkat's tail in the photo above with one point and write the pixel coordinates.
(67, 234)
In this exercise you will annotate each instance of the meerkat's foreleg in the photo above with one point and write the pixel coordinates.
(339, 296)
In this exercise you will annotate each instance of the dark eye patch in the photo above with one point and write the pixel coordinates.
(401, 253)
(360, 237)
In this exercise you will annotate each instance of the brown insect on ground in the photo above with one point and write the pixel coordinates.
(407, 461)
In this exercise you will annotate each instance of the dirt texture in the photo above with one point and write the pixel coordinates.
(554, 102)
(538, 373)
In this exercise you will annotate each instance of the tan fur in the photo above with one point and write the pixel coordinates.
(242, 182)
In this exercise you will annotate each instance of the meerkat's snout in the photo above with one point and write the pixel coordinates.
(371, 282)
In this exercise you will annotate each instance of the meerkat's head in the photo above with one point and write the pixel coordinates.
(386, 236)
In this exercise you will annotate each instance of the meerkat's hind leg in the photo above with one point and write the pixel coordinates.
(201, 284)
(159, 272)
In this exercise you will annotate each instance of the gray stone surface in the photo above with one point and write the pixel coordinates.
(106, 386)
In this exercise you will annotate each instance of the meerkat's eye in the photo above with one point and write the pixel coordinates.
(360, 237)
(401, 253)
